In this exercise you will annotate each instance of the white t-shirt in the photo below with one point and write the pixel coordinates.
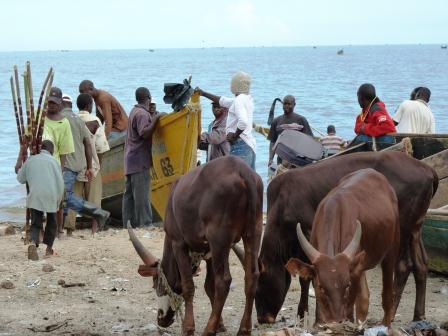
(241, 115)
(415, 116)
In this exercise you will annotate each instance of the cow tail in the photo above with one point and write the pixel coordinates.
(251, 182)
(435, 182)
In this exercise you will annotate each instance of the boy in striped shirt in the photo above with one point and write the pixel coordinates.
(332, 142)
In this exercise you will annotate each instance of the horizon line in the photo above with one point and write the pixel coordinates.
(231, 47)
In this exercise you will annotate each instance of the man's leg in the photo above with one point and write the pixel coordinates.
(79, 205)
(74, 202)
(70, 220)
(93, 192)
(127, 211)
(36, 227)
(243, 151)
(50, 232)
(140, 193)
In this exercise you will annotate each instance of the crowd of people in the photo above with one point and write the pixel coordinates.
(65, 178)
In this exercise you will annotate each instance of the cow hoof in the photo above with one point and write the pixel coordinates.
(208, 333)
(242, 332)
(221, 328)
(188, 333)
(266, 319)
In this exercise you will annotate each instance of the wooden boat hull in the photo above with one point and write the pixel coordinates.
(174, 152)
(435, 239)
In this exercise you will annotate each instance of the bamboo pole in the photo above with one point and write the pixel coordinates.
(30, 93)
(19, 102)
(39, 106)
(44, 114)
(27, 108)
(16, 112)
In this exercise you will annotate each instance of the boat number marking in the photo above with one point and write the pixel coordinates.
(167, 168)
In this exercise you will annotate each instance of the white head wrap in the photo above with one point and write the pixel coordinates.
(240, 83)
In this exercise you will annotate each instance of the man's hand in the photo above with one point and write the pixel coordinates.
(197, 89)
(231, 137)
(363, 125)
(18, 166)
(89, 174)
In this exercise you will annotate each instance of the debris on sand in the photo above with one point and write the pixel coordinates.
(6, 284)
(51, 327)
(33, 284)
(47, 268)
(150, 328)
(120, 328)
(64, 284)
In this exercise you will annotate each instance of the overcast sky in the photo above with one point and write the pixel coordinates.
(137, 24)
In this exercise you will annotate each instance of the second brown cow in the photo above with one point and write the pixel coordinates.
(356, 227)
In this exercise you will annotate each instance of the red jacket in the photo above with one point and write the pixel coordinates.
(377, 122)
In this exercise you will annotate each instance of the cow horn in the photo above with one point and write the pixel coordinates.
(309, 249)
(353, 247)
(239, 253)
(146, 256)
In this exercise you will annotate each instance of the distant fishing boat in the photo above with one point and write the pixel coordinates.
(444, 46)
(340, 52)
(151, 50)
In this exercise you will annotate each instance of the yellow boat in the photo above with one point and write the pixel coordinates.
(174, 152)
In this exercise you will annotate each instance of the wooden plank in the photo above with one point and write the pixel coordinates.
(440, 199)
(346, 151)
(439, 162)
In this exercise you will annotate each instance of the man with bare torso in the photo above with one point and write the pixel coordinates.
(109, 110)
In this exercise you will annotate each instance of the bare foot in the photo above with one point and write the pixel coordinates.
(50, 253)
(32, 252)
(70, 232)
(94, 226)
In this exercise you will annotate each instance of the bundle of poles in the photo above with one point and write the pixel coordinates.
(30, 133)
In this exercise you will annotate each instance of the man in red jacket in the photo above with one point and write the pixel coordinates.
(373, 121)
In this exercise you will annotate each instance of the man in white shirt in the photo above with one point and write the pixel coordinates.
(240, 117)
(415, 116)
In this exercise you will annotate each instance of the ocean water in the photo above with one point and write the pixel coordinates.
(323, 83)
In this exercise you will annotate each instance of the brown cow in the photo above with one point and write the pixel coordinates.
(294, 197)
(338, 265)
(209, 209)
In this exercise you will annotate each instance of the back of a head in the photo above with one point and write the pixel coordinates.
(331, 129)
(86, 85)
(240, 83)
(142, 95)
(367, 91)
(414, 92)
(424, 94)
(48, 146)
(83, 101)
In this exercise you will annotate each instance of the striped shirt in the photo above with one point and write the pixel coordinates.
(332, 143)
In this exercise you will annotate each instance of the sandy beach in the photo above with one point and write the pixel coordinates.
(112, 298)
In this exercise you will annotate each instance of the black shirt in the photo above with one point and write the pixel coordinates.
(277, 126)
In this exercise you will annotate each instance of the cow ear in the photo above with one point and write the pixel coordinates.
(358, 262)
(295, 266)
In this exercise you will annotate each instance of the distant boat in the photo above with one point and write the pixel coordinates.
(340, 52)
(151, 50)
(443, 46)
(314, 47)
